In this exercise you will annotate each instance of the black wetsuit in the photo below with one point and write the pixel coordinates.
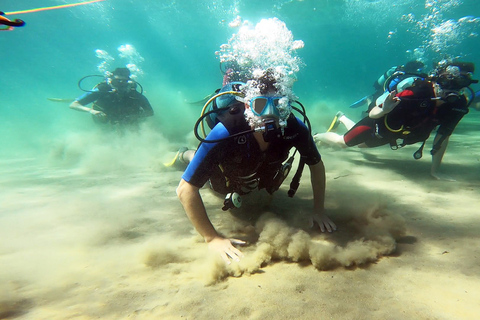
(122, 108)
(412, 120)
(237, 164)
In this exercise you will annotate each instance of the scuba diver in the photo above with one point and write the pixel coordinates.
(388, 81)
(10, 23)
(412, 113)
(252, 133)
(115, 100)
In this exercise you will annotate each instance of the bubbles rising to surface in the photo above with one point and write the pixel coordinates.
(130, 55)
(269, 45)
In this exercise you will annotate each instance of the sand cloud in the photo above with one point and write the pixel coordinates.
(370, 235)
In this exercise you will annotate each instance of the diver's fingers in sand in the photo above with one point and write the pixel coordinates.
(237, 241)
(226, 249)
(234, 254)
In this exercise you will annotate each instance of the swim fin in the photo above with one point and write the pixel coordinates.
(359, 103)
(335, 121)
(178, 162)
(61, 100)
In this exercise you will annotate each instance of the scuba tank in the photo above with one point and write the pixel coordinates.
(223, 98)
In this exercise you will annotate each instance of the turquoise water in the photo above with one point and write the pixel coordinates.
(348, 44)
(91, 227)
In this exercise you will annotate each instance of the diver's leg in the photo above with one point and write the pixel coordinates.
(182, 158)
(437, 160)
(187, 156)
(340, 118)
(330, 138)
(346, 122)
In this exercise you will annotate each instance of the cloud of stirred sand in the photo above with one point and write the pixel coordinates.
(371, 235)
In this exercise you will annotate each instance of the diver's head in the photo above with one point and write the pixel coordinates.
(454, 76)
(266, 108)
(120, 80)
(413, 66)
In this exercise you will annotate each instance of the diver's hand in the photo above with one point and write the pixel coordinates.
(226, 249)
(97, 113)
(391, 101)
(323, 222)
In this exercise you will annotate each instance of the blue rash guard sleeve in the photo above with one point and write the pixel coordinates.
(88, 97)
(306, 145)
(199, 170)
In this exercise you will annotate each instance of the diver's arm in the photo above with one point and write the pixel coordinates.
(384, 108)
(317, 177)
(192, 203)
(437, 158)
(75, 105)
(146, 109)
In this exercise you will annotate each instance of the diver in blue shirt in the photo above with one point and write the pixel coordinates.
(246, 150)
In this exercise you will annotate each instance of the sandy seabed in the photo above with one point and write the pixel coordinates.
(114, 242)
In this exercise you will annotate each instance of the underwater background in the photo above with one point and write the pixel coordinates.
(348, 45)
(90, 225)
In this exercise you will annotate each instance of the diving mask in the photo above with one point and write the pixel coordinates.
(278, 107)
(270, 115)
(449, 96)
(456, 77)
(122, 84)
(452, 82)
